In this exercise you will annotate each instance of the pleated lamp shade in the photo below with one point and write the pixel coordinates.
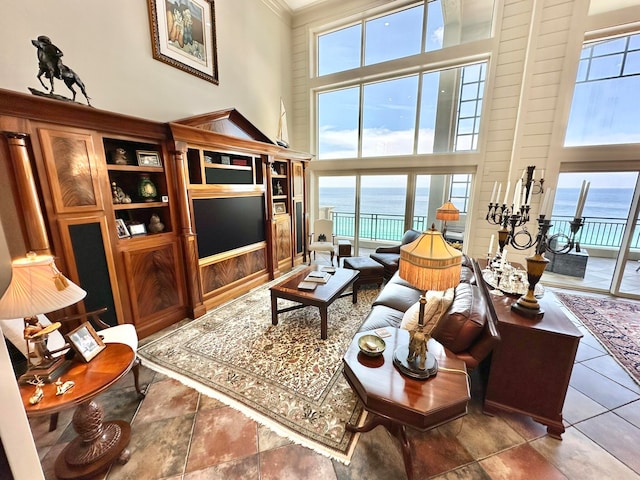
(37, 287)
(430, 263)
(448, 212)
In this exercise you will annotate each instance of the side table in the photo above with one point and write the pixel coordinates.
(98, 444)
(396, 401)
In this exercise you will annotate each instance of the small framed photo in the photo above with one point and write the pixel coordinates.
(148, 159)
(137, 229)
(85, 341)
(225, 159)
(122, 228)
(279, 207)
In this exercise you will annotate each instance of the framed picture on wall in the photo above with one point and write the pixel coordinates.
(148, 159)
(183, 35)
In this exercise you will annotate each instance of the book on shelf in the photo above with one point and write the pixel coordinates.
(307, 285)
(318, 277)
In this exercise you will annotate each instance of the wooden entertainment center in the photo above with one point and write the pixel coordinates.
(231, 204)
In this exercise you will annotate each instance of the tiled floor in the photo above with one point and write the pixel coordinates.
(180, 434)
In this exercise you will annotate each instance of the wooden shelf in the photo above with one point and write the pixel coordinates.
(227, 167)
(279, 197)
(131, 206)
(134, 169)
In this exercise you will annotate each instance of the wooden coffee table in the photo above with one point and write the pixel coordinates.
(396, 401)
(323, 295)
(98, 443)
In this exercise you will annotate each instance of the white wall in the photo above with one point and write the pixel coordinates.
(108, 44)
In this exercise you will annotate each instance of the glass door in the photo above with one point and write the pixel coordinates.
(383, 202)
(337, 202)
(607, 236)
(626, 280)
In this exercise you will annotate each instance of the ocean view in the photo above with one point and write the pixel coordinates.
(382, 209)
(601, 202)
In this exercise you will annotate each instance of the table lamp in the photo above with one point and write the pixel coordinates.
(427, 263)
(38, 287)
(447, 213)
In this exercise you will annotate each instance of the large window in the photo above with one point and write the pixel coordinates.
(605, 108)
(410, 109)
(403, 33)
(447, 117)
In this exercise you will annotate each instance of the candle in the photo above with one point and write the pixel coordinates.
(542, 174)
(493, 192)
(528, 200)
(499, 191)
(506, 193)
(517, 194)
(491, 244)
(583, 200)
(580, 204)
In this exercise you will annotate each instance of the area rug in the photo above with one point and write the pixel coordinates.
(616, 323)
(284, 376)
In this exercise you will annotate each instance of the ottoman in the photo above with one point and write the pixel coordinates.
(370, 271)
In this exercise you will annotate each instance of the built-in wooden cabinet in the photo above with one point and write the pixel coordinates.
(157, 222)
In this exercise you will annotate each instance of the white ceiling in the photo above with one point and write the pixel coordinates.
(596, 6)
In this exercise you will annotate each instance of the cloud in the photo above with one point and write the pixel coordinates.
(377, 142)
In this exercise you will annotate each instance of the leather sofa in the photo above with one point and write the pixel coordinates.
(467, 328)
(389, 257)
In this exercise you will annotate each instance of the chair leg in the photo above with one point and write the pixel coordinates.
(136, 376)
(53, 421)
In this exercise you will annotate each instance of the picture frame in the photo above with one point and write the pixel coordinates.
(121, 228)
(188, 44)
(279, 207)
(85, 341)
(137, 229)
(148, 158)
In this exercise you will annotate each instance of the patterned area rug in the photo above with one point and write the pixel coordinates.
(616, 323)
(283, 376)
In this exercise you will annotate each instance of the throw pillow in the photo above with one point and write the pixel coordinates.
(437, 304)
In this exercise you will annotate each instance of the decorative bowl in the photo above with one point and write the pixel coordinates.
(371, 345)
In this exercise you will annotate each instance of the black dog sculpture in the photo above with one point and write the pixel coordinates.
(51, 66)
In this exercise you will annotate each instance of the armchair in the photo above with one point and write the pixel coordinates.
(322, 239)
(389, 257)
(13, 330)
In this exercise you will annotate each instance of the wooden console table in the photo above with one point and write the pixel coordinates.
(98, 444)
(531, 366)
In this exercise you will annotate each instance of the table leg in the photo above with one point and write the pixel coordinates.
(274, 308)
(396, 429)
(323, 322)
(97, 446)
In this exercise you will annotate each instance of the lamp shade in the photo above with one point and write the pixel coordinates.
(430, 263)
(448, 212)
(36, 287)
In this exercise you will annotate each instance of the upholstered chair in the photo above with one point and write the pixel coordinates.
(322, 239)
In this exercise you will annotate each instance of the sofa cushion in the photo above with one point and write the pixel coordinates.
(382, 316)
(437, 304)
(467, 275)
(398, 297)
(464, 320)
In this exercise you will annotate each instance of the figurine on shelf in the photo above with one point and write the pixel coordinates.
(118, 195)
(155, 225)
(120, 157)
(279, 190)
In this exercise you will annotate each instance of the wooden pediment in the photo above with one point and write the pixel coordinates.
(228, 122)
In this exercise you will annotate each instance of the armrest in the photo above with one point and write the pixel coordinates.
(93, 317)
(388, 249)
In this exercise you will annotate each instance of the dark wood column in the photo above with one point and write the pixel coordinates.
(188, 238)
(33, 218)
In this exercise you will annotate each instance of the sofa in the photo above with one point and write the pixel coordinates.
(389, 257)
(467, 328)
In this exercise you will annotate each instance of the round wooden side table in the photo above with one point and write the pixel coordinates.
(98, 443)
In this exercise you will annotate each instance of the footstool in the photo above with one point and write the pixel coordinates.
(370, 271)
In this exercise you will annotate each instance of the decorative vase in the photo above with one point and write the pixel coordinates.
(146, 189)
(155, 225)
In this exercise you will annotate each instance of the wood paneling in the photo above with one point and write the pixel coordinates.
(225, 272)
(72, 177)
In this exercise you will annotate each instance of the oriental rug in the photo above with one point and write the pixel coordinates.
(284, 376)
(614, 322)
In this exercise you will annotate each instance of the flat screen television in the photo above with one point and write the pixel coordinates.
(224, 224)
